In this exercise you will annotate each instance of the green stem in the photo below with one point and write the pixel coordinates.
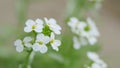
(29, 59)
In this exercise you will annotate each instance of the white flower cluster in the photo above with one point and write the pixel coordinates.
(97, 62)
(86, 32)
(45, 31)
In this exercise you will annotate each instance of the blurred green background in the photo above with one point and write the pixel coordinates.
(10, 29)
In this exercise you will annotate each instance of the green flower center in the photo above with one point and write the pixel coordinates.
(33, 27)
(87, 28)
(52, 41)
(41, 43)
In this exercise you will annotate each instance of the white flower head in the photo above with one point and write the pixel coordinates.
(73, 23)
(20, 44)
(93, 29)
(54, 43)
(93, 56)
(53, 25)
(40, 44)
(76, 43)
(91, 40)
(36, 25)
(98, 63)
(95, 65)
(90, 31)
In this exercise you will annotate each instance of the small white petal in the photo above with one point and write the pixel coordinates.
(82, 25)
(92, 40)
(93, 26)
(27, 39)
(46, 20)
(74, 19)
(18, 42)
(46, 39)
(28, 45)
(27, 29)
(55, 47)
(40, 36)
(43, 49)
(57, 42)
(39, 21)
(52, 36)
(52, 21)
(30, 22)
(83, 41)
(93, 56)
(95, 65)
(55, 26)
(39, 28)
(36, 47)
(56, 31)
(19, 48)
(76, 44)
(58, 27)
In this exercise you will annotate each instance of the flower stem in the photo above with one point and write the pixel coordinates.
(29, 59)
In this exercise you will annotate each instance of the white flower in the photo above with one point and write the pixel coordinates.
(90, 32)
(93, 56)
(73, 23)
(20, 44)
(91, 40)
(93, 29)
(99, 65)
(97, 61)
(86, 31)
(95, 65)
(54, 43)
(76, 25)
(36, 25)
(53, 25)
(40, 44)
(78, 42)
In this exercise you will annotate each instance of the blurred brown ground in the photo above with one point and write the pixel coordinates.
(109, 26)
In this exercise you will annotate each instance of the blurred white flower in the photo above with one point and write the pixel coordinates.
(90, 32)
(93, 29)
(20, 44)
(73, 23)
(76, 26)
(95, 65)
(93, 56)
(40, 43)
(54, 43)
(98, 63)
(76, 43)
(36, 25)
(53, 25)
(87, 31)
